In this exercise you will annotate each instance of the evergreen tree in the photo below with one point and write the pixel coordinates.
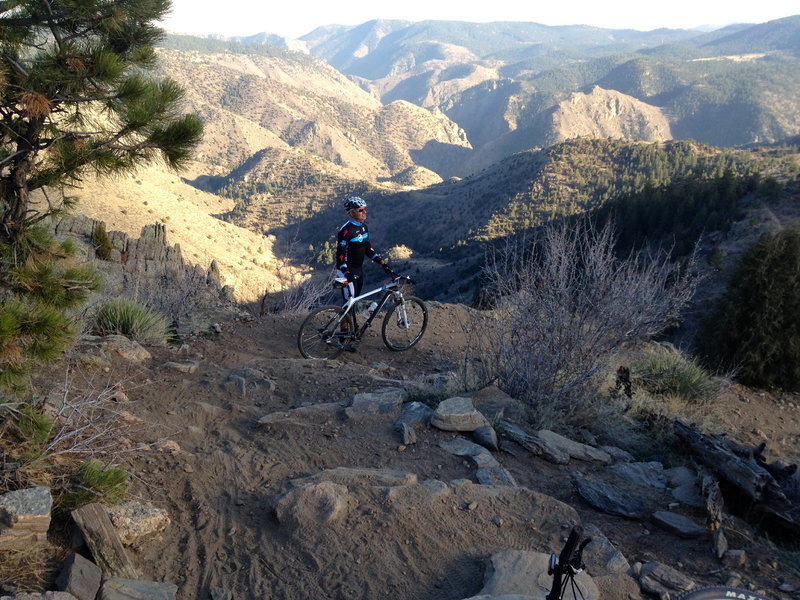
(755, 327)
(75, 99)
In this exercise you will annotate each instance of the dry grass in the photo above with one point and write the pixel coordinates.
(31, 569)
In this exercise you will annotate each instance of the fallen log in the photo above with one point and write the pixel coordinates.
(754, 488)
(103, 541)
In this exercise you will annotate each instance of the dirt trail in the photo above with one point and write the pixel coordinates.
(416, 542)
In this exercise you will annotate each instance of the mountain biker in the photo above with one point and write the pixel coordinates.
(353, 246)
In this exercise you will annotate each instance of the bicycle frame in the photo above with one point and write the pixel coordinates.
(389, 290)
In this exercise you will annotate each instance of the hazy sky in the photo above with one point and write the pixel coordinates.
(298, 17)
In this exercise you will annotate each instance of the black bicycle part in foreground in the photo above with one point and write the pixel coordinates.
(566, 565)
(328, 330)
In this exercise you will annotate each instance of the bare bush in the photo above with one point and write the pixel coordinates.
(298, 291)
(565, 304)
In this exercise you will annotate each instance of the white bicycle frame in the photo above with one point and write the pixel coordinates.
(402, 318)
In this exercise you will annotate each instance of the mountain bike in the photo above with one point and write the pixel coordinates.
(569, 563)
(329, 330)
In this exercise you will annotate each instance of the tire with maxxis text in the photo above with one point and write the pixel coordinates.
(723, 593)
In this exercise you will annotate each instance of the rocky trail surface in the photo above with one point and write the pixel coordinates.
(285, 478)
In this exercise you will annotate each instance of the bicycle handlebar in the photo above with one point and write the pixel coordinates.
(570, 560)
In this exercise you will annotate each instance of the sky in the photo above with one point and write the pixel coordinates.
(296, 18)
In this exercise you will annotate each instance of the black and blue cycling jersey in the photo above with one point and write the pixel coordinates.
(352, 247)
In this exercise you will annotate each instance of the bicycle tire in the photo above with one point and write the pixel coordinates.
(399, 336)
(320, 336)
(722, 593)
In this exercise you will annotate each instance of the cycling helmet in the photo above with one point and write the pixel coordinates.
(354, 202)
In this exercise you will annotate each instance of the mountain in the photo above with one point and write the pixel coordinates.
(732, 86)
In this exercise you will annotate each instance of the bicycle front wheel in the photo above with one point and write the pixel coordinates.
(722, 593)
(323, 335)
(404, 324)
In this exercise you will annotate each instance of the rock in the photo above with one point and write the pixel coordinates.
(458, 414)
(126, 348)
(190, 366)
(408, 433)
(314, 504)
(720, 542)
(221, 594)
(658, 579)
(618, 454)
(678, 524)
(24, 517)
(689, 494)
(487, 437)
(316, 414)
(608, 498)
(358, 477)
(382, 402)
(414, 413)
(678, 476)
(493, 403)
(80, 577)
(618, 586)
(601, 555)
(490, 472)
(734, 559)
(525, 574)
(137, 520)
(116, 588)
(235, 384)
(560, 445)
(647, 474)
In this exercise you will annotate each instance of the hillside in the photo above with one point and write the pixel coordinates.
(733, 86)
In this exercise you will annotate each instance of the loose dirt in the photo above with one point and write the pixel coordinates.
(221, 489)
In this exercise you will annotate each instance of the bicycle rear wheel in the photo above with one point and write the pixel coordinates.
(404, 324)
(322, 335)
(722, 593)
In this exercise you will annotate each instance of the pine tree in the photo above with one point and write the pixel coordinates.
(75, 99)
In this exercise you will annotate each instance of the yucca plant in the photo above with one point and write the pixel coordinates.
(664, 370)
(132, 319)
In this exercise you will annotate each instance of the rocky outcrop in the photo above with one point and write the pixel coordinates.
(154, 272)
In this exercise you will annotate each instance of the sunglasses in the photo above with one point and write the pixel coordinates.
(360, 209)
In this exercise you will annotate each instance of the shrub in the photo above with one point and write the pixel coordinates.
(754, 328)
(565, 306)
(127, 317)
(101, 242)
(665, 370)
(95, 483)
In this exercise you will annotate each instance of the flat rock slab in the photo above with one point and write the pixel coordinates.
(573, 449)
(24, 517)
(602, 555)
(357, 477)
(678, 524)
(648, 474)
(315, 414)
(609, 499)
(458, 414)
(80, 577)
(413, 413)
(659, 579)
(490, 472)
(116, 588)
(384, 402)
(525, 574)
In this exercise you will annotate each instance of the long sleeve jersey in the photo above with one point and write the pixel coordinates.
(352, 245)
